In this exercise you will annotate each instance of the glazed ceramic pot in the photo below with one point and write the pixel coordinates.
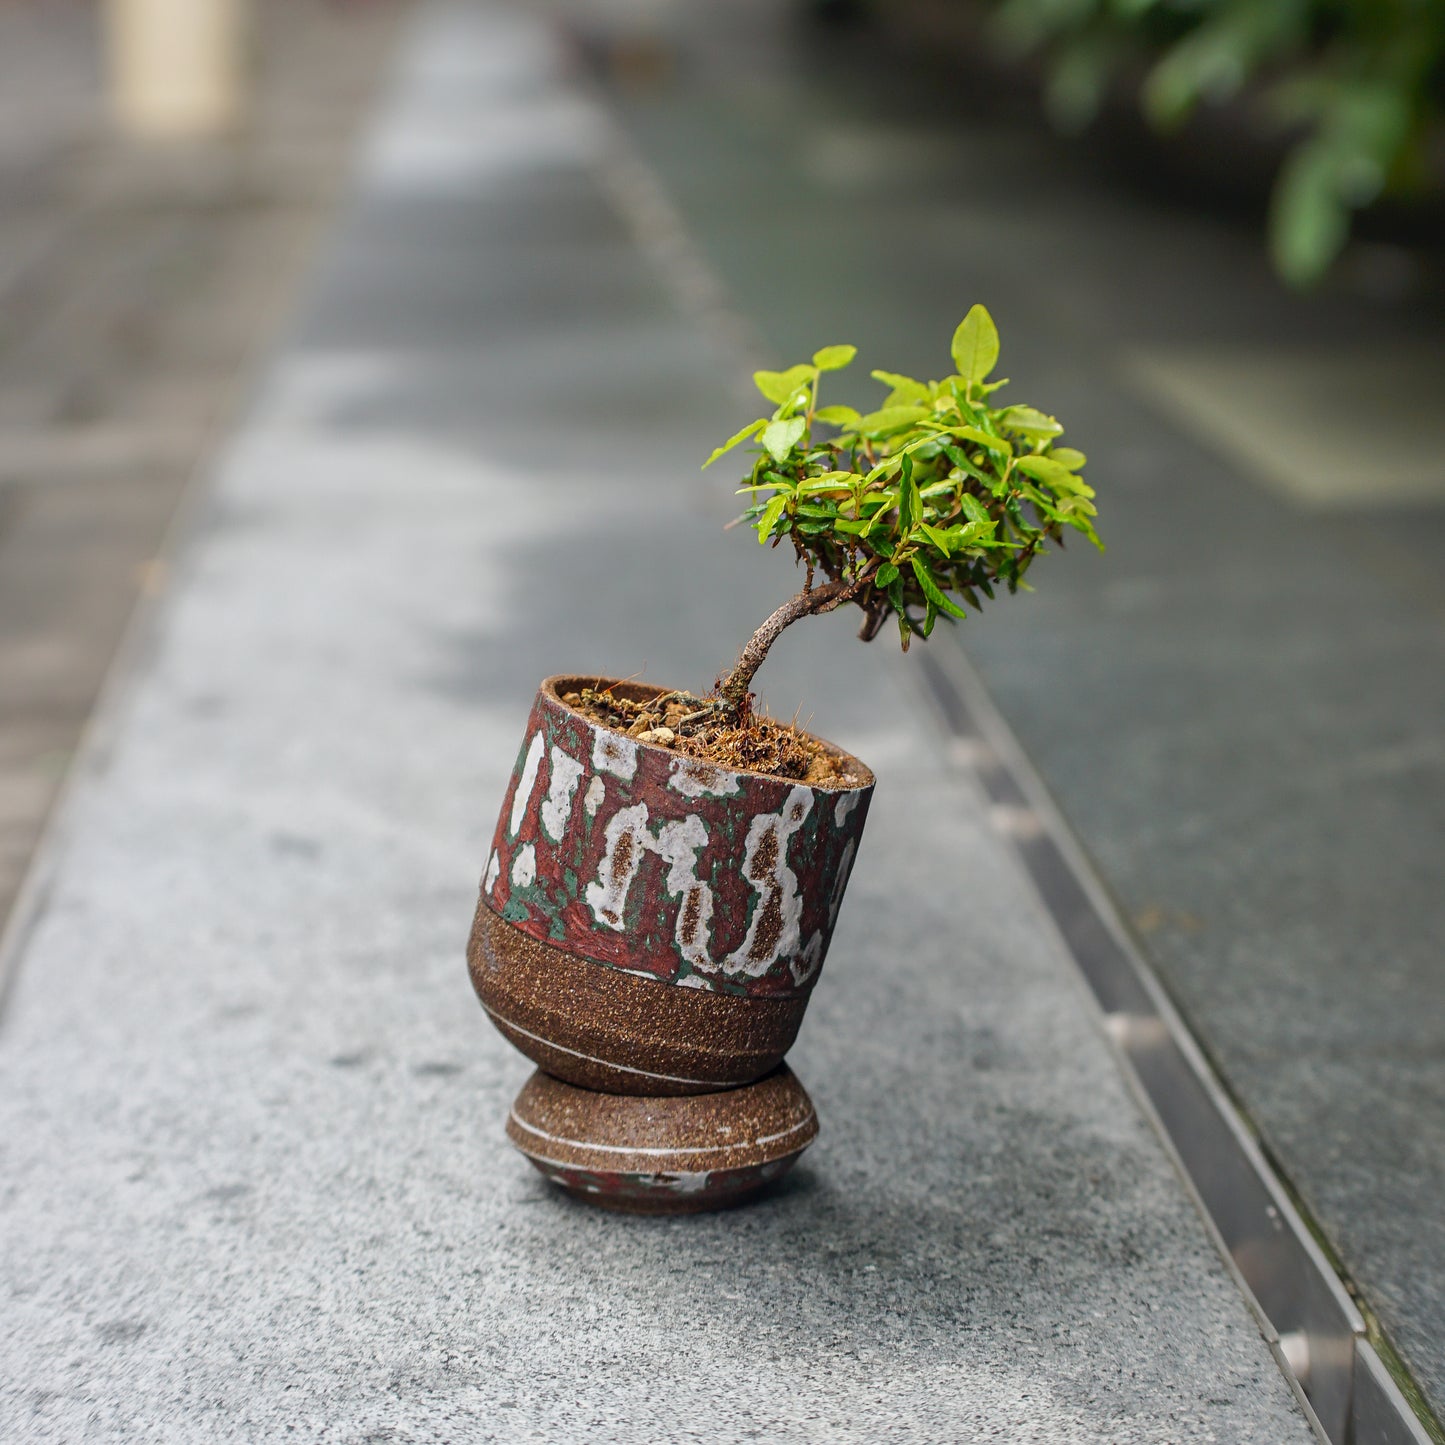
(649, 924)
(675, 1155)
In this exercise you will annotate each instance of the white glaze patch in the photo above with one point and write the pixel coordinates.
(844, 806)
(596, 792)
(683, 1183)
(701, 780)
(612, 753)
(627, 840)
(773, 930)
(494, 869)
(526, 784)
(524, 867)
(566, 774)
(679, 844)
(804, 966)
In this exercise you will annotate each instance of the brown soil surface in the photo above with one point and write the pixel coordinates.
(758, 744)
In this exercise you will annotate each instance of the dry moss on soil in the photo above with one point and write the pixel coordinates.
(757, 744)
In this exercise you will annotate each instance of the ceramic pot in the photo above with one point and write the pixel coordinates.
(649, 924)
(674, 1155)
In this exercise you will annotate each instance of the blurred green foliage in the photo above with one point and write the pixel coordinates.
(1358, 83)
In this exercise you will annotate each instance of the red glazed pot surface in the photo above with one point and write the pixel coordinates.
(645, 860)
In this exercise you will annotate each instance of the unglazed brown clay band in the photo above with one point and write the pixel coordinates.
(673, 1151)
(510, 1028)
(602, 1028)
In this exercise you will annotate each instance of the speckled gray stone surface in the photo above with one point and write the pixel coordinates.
(253, 1183)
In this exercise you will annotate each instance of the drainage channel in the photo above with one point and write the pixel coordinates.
(1313, 1326)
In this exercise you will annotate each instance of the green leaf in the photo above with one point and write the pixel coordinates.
(885, 575)
(905, 391)
(781, 387)
(973, 434)
(770, 515)
(1029, 421)
(1053, 474)
(975, 510)
(752, 429)
(891, 419)
(933, 591)
(837, 415)
(834, 358)
(1069, 457)
(939, 539)
(780, 437)
(910, 504)
(965, 407)
(829, 482)
(958, 457)
(1309, 222)
(975, 345)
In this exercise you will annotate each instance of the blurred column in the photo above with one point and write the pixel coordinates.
(177, 68)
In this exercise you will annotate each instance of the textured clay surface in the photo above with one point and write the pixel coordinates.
(626, 1033)
(663, 1156)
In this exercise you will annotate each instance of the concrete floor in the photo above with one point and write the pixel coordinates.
(252, 1175)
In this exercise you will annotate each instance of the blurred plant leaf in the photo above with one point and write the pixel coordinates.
(781, 387)
(780, 437)
(834, 358)
(975, 345)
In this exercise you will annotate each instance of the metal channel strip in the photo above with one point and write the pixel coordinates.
(1316, 1332)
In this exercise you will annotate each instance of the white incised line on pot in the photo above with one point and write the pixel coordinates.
(629, 1149)
(608, 1064)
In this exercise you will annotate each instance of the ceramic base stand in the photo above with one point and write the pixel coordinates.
(671, 1155)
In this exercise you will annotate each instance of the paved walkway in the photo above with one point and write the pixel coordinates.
(252, 1177)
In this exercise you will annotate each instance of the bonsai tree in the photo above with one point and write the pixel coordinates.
(921, 509)
(652, 925)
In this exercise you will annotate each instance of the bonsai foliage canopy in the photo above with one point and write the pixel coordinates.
(920, 509)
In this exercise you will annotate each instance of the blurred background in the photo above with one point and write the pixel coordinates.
(1211, 233)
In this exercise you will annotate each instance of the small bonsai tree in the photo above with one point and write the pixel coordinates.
(919, 509)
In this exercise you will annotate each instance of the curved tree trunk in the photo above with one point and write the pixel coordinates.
(808, 603)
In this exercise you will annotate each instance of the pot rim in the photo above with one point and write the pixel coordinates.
(637, 691)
